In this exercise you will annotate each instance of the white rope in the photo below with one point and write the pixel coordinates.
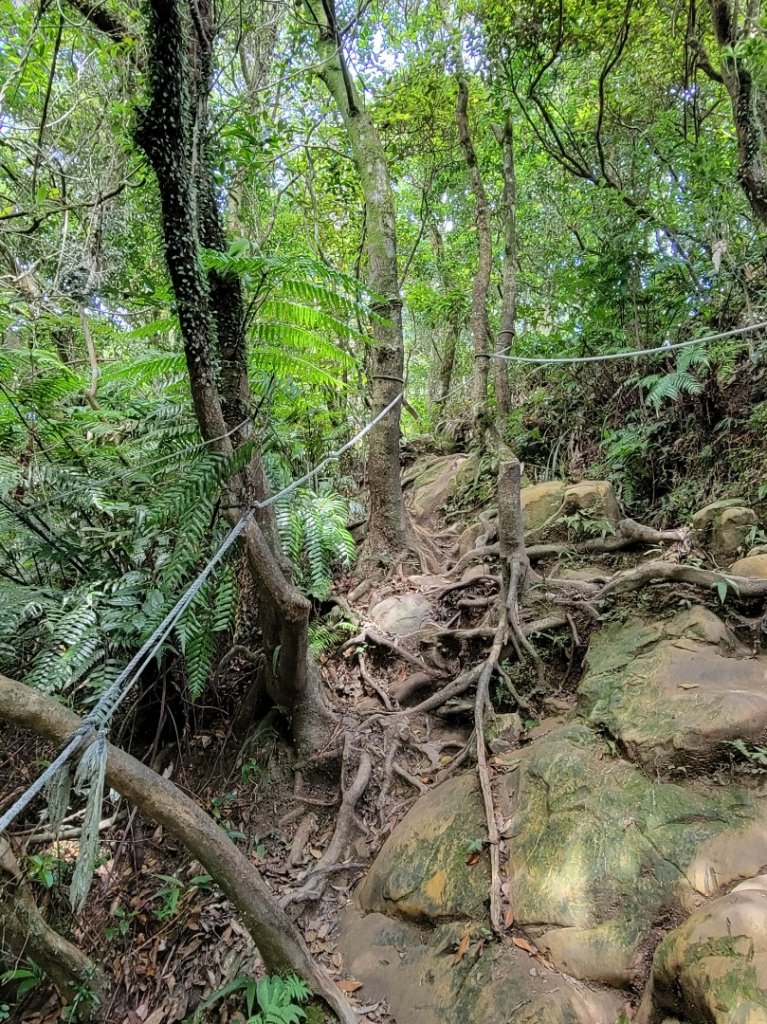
(636, 354)
(99, 717)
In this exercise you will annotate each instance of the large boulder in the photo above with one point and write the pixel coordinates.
(543, 503)
(438, 481)
(540, 502)
(401, 614)
(713, 968)
(723, 527)
(595, 498)
(674, 693)
(422, 872)
(754, 565)
(425, 978)
(598, 852)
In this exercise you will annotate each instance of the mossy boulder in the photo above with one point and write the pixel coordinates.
(713, 968)
(540, 502)
(723, 527)
(419, 974)
(435, 484)
(422, 872)
(598, 852)
(674, 693)
(595, 498)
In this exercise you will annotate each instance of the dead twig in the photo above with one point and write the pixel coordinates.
(372, 684)
(313, 888)
(369, 635)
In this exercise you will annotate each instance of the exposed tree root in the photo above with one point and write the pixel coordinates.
(313, 888)
(664, 572)
(475, 555)
(372, 684)
(629, 534)
(485, 785)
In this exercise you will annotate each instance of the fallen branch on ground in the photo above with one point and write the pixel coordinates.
(369, 635)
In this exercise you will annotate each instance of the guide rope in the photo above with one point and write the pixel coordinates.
(667, 346)
(99, 717)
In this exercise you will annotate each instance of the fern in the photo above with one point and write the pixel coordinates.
(313, 531)
(106, 514)
(670, 387)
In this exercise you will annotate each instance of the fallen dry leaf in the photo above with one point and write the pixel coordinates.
(524, 944)
(463, 946)
(349, 986)
(508, 917)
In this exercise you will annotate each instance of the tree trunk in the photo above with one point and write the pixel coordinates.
(276, 937)
(387, 533)
(749, 101)
(509, 277)
(480, 327)
(447, 364)
(211, 314)
(446, 353)
(24, 930)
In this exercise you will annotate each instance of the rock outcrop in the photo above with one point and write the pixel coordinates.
(604, 854)
(674, 693)
(714, 966)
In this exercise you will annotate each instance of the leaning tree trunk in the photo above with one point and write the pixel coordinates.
(276, 936)
(387, 535)
(480, 326)
(748, 98)
(211, 315)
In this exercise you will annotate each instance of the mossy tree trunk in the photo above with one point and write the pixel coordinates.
(172, 131)
(387, 535)
(735, 24)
